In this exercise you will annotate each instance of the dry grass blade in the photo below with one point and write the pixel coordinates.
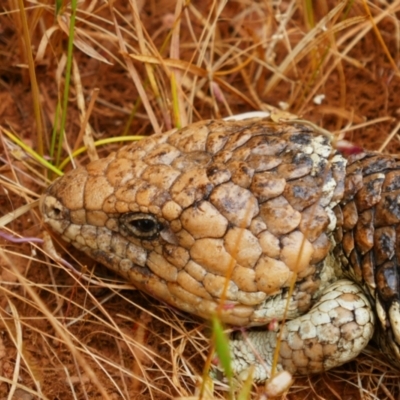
(308, 41)
(32, 75)
(197, 71)
(79, 42)
(135, 77)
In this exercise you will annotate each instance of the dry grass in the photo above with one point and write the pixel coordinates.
(154, 65)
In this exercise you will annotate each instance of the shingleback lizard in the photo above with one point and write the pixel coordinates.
(232, 212)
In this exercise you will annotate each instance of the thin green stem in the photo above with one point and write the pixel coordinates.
(67, 79)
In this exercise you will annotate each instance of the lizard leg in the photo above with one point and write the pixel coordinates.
(334, 331)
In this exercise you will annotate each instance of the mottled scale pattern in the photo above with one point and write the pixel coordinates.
(245, 193)
(232, 213)
(368, 238)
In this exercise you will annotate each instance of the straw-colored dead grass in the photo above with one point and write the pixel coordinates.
(63, 337)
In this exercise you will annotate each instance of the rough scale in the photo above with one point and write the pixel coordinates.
(226, 214)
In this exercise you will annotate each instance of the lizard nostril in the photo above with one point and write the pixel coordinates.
(56, 212)
(52, 208)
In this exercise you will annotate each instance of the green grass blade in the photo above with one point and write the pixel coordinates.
(67, 79)
(221, 345)
(32, 153)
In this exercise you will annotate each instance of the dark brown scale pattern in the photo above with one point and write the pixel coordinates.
(369, 214)
(368, 232)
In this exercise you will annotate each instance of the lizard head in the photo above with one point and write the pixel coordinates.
(217, 210)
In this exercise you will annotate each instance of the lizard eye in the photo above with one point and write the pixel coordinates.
(143, 226)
